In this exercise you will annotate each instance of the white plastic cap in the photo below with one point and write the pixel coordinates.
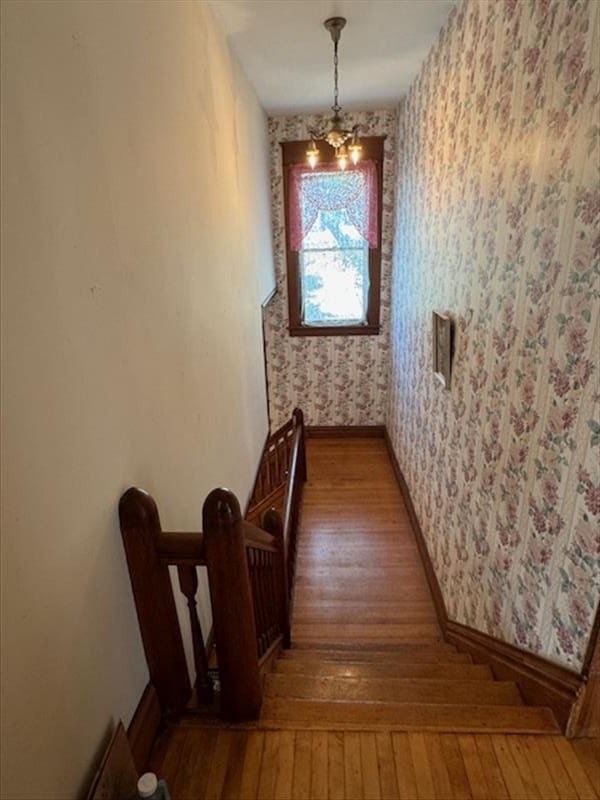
(147, 784)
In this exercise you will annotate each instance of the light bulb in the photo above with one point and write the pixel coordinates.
(342, 157)
(312, 154)
(355, 148)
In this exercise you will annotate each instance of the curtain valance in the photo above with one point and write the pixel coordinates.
(312, 191)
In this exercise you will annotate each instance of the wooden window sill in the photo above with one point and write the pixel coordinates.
(335, 330)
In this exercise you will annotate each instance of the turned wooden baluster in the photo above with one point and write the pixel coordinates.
(268, 465)
(273, 524)
(233, 612)
(188, 582)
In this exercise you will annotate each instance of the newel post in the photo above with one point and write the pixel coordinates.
(233, 611)
(273, 524)
(154, 602)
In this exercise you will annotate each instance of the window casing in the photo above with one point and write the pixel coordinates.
(333, 280)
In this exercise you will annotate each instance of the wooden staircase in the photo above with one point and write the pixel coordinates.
(369, 700)
(367, 651)
(323, 618)
(413, 687)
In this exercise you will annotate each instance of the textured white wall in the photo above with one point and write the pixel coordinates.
(135, 254)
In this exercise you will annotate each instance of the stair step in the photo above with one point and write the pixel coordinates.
(397, 690)
(386, 632)
(399, 656)
(384, 669)
(368, 616)
(294, 714)
(438, 645)
(369, 656)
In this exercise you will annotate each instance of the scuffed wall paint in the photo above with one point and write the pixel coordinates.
(497, 224)
(336, 380)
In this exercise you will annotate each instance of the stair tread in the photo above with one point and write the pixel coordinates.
(439, 645)
(423, 656)
(399, 690)
(367, 631)
(295, 713)
(416, 656)
(376, 669)
(427, 690)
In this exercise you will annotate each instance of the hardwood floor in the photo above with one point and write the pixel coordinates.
(225, 763)
(370, 702)
(364, 623)
(359, 579)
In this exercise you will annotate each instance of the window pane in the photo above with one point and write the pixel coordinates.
(334, 259)
(333, 229)
(335, 286)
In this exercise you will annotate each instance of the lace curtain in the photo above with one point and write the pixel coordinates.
(312, 191)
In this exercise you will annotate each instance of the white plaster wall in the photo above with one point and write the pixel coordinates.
(136, 251)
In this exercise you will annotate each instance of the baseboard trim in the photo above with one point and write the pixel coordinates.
(434, 586)
(144, 727)
(345, 431)
(541, 682)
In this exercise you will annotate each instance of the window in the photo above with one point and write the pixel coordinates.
(333, 222)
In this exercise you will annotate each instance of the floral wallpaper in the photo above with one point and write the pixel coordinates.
(497, 225)
(336, 380)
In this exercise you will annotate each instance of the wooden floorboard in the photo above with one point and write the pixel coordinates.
(359, 577)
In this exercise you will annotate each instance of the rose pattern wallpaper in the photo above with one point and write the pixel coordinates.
(336, 380)
(498, 225)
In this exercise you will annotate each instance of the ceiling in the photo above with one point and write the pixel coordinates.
(287, 53)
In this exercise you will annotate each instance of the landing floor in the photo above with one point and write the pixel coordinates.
(359, 577)
(212, 763)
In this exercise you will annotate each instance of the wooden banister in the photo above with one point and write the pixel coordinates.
(274, 467)
(154, 601)
(233, 610)
(274, 525)
(181, 548)
(256, 537)
(250, 572)
(293, 498)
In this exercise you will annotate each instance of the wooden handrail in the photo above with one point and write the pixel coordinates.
(293, 497)
(175, 548)
(256, 537)
(250, 572)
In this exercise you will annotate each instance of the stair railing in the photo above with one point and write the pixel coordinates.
(150, 552)
(250, 574)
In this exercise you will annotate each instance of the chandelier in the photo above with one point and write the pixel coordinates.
(337, 135)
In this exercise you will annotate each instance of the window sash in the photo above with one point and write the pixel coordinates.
(294, 153)
(332, 321)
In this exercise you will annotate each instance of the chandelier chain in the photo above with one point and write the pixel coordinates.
(336, 106)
